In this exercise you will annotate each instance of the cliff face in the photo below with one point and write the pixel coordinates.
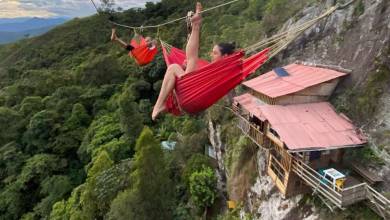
(265, 201)
(352, 38)
(355, 38)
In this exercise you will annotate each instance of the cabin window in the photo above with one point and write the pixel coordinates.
(274, 132)
(304, 156)
(251, 119)
(258, 123)
(236, 107)
(315, 155)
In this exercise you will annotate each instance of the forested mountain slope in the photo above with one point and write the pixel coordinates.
(76, 138)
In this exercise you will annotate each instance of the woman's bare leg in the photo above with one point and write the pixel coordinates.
(167, 86)
(173, 71)
(192, 48)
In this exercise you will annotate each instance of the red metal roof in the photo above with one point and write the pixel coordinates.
(300, 77)
(314, 126)
(251, 104)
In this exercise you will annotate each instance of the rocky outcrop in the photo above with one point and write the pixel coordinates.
(218, 146)
(264, 201)
(350, 38)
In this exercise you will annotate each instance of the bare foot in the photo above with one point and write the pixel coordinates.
(113, 34)
(196, 19)
(157, 111)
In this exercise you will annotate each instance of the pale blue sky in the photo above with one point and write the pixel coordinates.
(56, 8)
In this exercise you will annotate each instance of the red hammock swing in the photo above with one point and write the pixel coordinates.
(198, 90)
(142, 53)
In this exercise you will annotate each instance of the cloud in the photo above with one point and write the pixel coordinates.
(14, 8)
(48, 8)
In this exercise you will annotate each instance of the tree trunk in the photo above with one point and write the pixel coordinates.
(204, 217)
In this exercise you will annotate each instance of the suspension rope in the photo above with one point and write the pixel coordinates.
(94, 5)
(166, 23)
(282, 40)
(289, 35)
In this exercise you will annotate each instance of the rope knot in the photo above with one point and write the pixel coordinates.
(188, 20)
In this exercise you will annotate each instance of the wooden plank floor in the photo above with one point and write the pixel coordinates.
(365, 173)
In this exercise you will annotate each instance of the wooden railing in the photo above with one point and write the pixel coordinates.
(236, 109)
(256, 134)
(342, 197)
(379, 203)
(314, 180)
(283, 156)
(353, 194)
(243, 124)
(279, 170)
(251, 131)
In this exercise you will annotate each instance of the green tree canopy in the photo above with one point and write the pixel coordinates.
(9, 124)
(146, 199)
(196, 163)
(203, 187)
(41, 130)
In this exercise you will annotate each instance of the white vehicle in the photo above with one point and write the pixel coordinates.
(336, 178)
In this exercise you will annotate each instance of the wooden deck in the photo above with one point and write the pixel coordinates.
(370, 177)
(345, 196)
(351, 181)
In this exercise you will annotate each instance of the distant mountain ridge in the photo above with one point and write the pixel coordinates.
(8, 37)
(29, 24)
(13, 20)
(17, 28)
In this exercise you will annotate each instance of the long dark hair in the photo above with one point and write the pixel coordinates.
(227, 48)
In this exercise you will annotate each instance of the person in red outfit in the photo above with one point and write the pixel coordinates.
(149, 41)
(175, 71)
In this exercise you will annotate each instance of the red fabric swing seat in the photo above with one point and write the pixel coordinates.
(198, 90)
(141, 53)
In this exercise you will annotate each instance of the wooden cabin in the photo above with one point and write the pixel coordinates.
(295, 84)
(285, 112)
(313, 133)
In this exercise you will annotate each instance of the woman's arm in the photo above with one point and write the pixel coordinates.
(192, 48)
